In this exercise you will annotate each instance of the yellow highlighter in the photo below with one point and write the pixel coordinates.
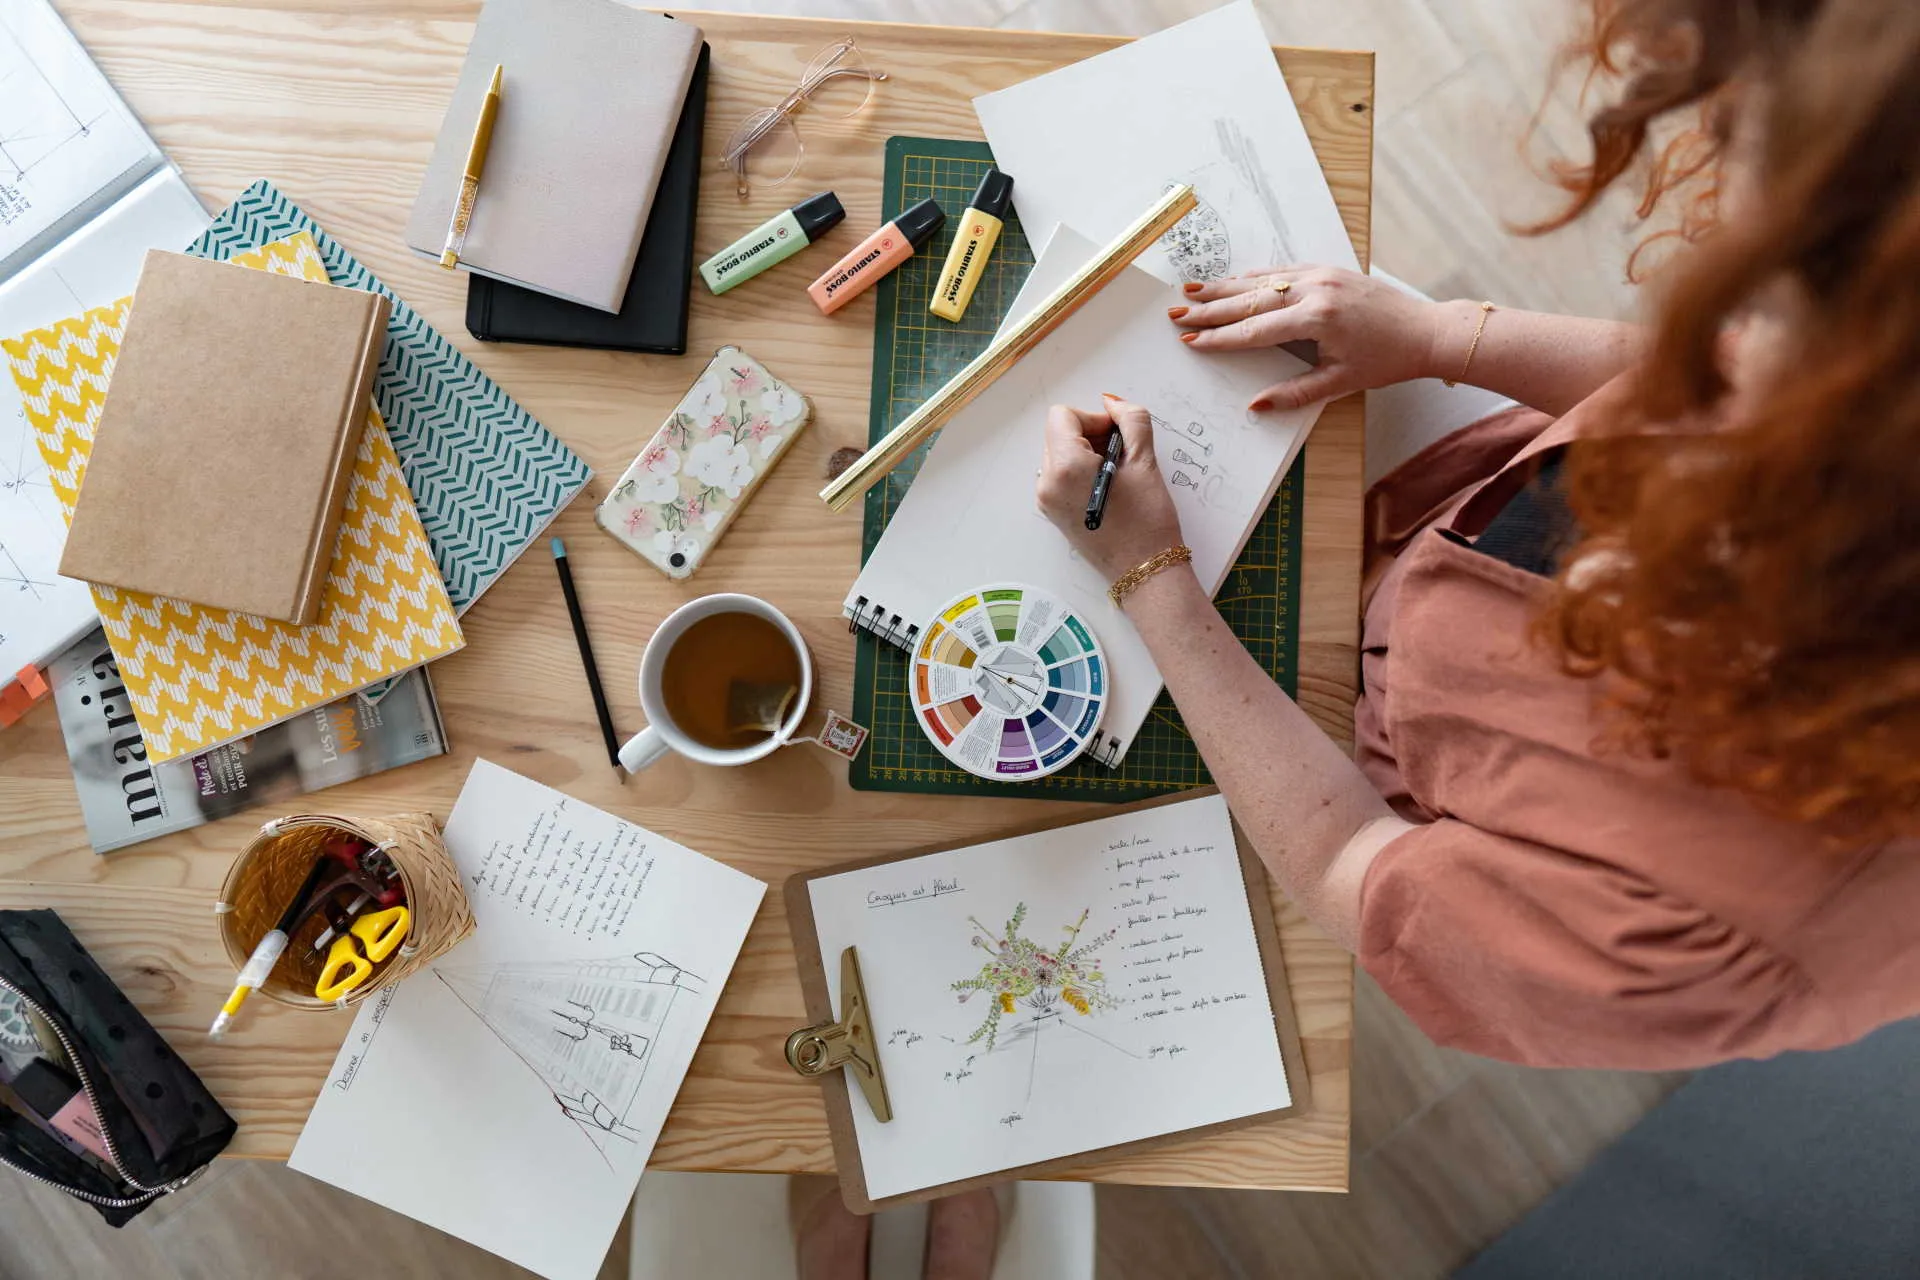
(972, 245)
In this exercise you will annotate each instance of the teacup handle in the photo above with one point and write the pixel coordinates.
(642, 749)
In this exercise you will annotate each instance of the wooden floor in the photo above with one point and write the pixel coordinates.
(1448, 1149)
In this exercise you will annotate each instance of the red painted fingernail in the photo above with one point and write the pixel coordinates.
(1174, 313)
(1188, 337)
(1261, 404)
(1192, 287)
(1108, 395)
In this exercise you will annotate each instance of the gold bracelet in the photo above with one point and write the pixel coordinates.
(1124, 585)
(1486, 309)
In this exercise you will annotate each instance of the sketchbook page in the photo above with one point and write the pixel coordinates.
(1053, 994)
(510, 1093)
(969, 519)
(1094, 144)
(68, 145)
(41, 613)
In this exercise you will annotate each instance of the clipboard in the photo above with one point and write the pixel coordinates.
(845, 1038)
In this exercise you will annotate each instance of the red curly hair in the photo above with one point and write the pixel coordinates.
(1750, 589)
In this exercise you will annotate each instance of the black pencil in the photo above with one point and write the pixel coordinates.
(586, 658)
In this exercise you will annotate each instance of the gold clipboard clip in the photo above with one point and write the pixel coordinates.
(849, 1043)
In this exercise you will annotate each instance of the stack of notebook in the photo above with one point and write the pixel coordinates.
(447, 482)
(201, 672)
(583, 231)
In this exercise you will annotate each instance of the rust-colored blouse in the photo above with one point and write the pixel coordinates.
(1567, 906)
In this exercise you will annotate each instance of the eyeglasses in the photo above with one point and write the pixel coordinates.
(767, 147)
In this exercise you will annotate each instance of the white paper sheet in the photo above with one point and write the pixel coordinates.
(1094, 144)
(41, 613)
(969, 520)
(67, 142)
(510, 1094)
(1140, 1008)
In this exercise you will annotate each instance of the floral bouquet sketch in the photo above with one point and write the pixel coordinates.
(1021, 972)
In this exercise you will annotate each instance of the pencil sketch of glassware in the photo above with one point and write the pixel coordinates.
(1191, 430)
(585, 1028)
(1181, 480)
(1184, 458)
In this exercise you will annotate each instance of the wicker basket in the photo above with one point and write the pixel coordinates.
(269, 872)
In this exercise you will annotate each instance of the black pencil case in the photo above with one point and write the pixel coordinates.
(159, 1125)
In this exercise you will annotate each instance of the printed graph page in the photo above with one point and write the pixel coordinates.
(1053, 994)
(67, 142)
(40, 611)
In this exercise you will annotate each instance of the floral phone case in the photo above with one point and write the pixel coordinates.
(703, 464)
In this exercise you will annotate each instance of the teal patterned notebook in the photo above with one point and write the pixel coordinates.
(487, 478)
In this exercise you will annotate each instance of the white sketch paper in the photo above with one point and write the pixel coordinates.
(1053, 994)
(1093, 144)
(511, 1093)
(970, 518)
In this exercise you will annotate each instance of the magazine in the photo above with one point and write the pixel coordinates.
(127, 800)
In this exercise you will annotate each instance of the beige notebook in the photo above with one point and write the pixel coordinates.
(591, 93)
(227, 439)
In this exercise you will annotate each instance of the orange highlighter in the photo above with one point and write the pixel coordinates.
(875, 256)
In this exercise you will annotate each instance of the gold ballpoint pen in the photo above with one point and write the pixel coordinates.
(470, 180)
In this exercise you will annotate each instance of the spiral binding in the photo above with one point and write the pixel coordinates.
(875, 620)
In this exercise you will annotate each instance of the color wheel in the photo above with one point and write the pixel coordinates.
(1009, 683)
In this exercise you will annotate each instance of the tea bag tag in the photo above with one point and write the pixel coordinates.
(839, 735)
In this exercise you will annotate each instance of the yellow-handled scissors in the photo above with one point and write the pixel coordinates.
(346, 968)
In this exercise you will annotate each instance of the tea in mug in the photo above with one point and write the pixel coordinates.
(730, 680)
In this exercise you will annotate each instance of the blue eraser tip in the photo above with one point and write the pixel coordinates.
(559, 549)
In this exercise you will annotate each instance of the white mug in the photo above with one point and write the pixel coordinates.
(661, 734)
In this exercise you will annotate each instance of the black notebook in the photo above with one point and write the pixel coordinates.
(654, 315)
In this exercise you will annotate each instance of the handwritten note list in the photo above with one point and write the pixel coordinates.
(569, 868)
(1057, 993)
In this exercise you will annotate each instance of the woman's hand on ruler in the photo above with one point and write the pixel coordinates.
(1370, 334)
(1140, 520)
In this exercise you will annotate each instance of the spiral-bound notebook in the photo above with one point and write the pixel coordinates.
(970, 519)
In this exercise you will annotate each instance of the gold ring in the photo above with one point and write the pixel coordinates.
(1281, 287)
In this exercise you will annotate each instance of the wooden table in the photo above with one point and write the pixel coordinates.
(338, 102)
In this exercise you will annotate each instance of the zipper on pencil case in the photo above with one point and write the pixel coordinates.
(106, 1136)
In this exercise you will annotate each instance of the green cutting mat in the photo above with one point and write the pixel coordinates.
(914, 353)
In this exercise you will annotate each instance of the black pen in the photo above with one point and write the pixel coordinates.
(586, 657)
(1103, 479)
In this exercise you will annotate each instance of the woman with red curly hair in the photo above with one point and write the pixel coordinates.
(1638, 775)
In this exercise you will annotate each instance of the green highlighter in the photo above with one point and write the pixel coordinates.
(773, 241)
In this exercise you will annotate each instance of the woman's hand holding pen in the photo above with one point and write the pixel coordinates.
(1370, 334)
(1140, 518)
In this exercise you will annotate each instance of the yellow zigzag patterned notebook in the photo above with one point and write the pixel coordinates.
(198, 677)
